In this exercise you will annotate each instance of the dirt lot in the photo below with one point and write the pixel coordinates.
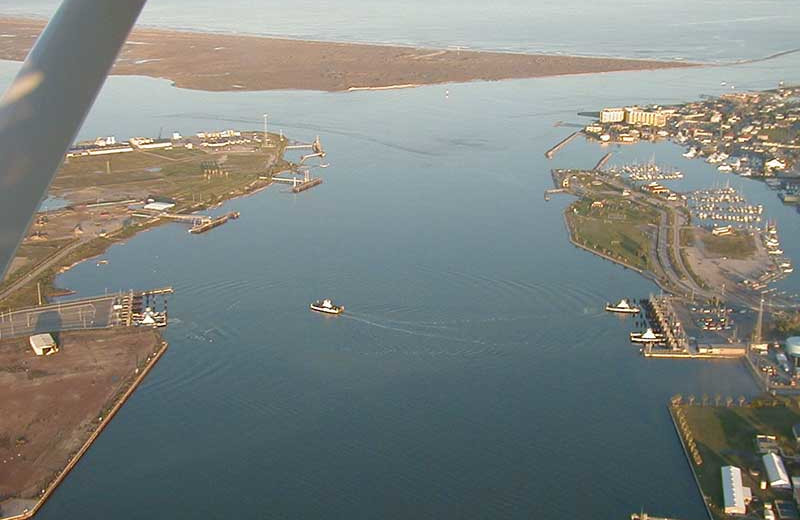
(51, 404)
(230, 62)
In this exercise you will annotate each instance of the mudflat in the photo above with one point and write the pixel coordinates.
(226, 62)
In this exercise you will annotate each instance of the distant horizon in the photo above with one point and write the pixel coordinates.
(682, 30)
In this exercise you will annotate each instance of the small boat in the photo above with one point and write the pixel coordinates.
(647, 336)
(623, 307)
(326, 306)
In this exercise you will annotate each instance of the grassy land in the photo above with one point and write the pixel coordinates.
(687, 237)
(725, 436)
(694, 276)
(617, 229)
(176, 173)
(786, 324)
(740, 245)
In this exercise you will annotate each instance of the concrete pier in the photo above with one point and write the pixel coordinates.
(603, 161)
(564, 142)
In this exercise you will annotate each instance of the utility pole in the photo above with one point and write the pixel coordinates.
(39, 290)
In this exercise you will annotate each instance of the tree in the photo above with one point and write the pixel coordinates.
(717, 399)
(691, 399)
(705, 399)
(676, 399)
(729, 401)
(742, 400)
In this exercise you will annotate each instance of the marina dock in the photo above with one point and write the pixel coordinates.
(564, 142)
(207, 225)
(306, 185)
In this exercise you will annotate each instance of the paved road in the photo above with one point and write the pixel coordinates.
(29, 277)
(91, 313)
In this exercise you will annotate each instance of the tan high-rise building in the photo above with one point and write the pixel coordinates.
(612, 115)
(636, 116)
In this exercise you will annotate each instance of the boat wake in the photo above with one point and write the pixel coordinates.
(393, 326)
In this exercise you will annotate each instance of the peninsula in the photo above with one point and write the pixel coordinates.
(225, 62)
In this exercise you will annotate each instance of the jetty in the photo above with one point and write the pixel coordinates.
(561, 144)
(603, 161)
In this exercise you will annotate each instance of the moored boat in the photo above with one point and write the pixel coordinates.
(647, 336)
(326, 306)
(623, 307)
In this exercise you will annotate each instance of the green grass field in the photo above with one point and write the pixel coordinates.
(176, 173)
(740, 245)
(618, 229)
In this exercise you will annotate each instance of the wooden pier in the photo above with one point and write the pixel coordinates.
(564, 142)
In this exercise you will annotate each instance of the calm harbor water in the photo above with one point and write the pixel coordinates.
(474, 375)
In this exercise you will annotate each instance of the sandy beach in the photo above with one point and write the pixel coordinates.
(225, 62)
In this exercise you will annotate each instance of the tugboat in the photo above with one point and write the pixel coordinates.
(647, 336)
(326, 306)
(622, 307)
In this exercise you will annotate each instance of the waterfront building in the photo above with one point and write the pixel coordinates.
(612, 115)
(733, 492)
(777, 476)
(636, 116)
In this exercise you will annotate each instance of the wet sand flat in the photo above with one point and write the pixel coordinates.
(225, 62)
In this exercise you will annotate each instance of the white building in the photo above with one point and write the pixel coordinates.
(43, 344)
(733, 492)
(159, 206)
(777, 476)
(775, 164)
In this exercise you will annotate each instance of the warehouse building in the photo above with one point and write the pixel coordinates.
(735, 495)
(777, 476)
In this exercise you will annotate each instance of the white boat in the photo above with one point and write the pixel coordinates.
(775, 251)
(647, 336)
(691, 153)
(326, 306)
(623, 307)
(725, 168)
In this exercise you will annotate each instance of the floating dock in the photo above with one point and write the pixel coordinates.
(207, 225)
(306, 185)
(564, 142)
(645, 516)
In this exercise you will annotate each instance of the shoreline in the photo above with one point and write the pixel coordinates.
(218, 61)
(73, 461)
(691, 466)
